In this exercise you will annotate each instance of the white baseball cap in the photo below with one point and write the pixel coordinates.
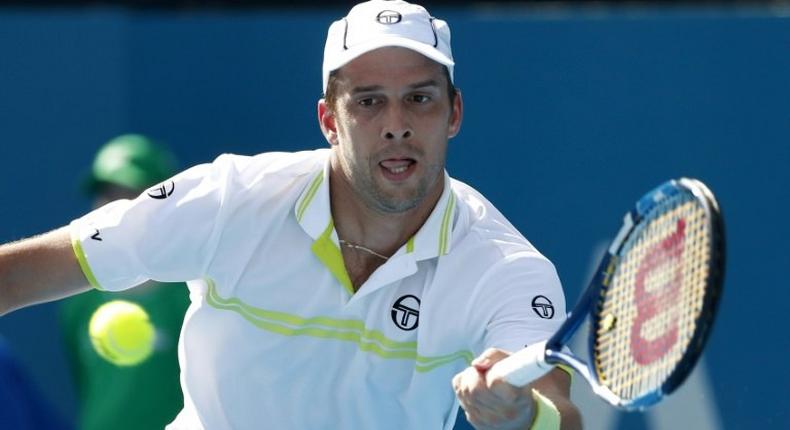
(378, 23)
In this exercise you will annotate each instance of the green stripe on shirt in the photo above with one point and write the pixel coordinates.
(372, 341)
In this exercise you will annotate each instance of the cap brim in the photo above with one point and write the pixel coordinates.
(350, 54)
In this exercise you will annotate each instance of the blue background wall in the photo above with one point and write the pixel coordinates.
(570, 115)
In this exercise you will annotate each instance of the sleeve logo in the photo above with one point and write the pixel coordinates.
(162, 191)
(543, 307)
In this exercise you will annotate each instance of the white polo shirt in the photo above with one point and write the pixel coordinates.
(276, 338)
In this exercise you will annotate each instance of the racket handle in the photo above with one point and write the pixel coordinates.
(522, 367)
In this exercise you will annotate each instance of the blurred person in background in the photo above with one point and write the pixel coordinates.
(147, 395)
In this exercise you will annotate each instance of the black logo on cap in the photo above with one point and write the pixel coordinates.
(162, 191)
(388, 17)
(96, 235)
(543, 307)
(406, 312)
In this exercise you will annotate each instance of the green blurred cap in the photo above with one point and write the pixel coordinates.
(131, 160)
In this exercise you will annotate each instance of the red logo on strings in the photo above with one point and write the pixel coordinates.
(666, 255)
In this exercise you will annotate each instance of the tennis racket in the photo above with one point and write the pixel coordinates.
(652, 302)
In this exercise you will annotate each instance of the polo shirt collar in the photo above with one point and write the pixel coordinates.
(435, 237)
(313, 212)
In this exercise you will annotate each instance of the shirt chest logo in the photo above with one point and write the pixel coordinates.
(406, 312)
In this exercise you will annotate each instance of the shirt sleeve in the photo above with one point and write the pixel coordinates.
(168, 233)
(525, 301)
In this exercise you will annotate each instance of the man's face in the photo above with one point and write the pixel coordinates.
(390, 126)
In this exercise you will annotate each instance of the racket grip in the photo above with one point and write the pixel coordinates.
(522, 367)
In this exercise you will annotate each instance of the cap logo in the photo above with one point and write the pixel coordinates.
(388, 17)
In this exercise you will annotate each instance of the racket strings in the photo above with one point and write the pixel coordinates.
(654, 298)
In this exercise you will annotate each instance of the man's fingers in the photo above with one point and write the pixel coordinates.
(491, 402)
(482, 405)
(471, 390)
(488, 358)
(473, 382)
(499, 387)
(468, 382)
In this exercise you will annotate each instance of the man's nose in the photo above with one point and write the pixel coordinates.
(396, 126)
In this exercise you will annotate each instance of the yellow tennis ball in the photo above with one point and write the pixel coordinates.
(121, 333)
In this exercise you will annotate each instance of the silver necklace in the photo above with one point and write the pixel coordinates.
(363, 249)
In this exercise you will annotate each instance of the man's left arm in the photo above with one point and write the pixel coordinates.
(493, 404)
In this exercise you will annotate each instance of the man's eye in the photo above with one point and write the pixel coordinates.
(420, 98)
(366, 102)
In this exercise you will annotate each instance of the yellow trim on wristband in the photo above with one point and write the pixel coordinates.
(547, 417)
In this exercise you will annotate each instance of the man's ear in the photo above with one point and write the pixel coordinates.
(456, 116)
(326, 119)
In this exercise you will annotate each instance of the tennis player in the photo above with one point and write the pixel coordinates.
(352, 287)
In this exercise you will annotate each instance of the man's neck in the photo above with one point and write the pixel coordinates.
(360, 224)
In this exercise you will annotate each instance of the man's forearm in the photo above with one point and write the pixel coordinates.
(39, 269)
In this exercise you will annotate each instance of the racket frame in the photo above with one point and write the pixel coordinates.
(553, 353)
